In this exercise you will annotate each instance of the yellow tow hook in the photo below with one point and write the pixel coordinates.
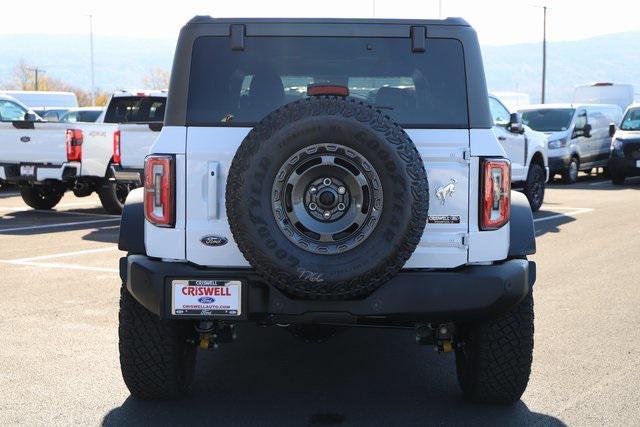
(447, 347)
(205, 341)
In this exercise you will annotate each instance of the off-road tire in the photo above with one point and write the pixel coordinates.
(293, 127)
(113, 195)
(493, 358)
(156, 358)
(41, 196)
(568, 177)
(617, 178)
(534, 186)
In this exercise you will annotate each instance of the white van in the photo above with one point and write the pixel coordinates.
(605, 93)
(579, 135)
(42, 99)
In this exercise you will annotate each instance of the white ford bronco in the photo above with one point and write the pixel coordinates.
(322, 174)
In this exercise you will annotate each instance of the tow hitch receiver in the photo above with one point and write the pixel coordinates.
(440, 336)
(211, 334)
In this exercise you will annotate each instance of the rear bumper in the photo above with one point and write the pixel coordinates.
(10, 172)
(467, 293)
(126, 175)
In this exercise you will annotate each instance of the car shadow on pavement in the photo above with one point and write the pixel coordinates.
(358, 377)
(30, 222)
(591, 182)
(553, 223)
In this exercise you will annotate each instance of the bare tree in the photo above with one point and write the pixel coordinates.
(22, 78)
(156, 78)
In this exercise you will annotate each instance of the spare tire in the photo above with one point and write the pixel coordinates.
(327, 198)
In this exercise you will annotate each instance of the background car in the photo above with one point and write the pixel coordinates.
(625, 150)
(527, 150)
(579, 135)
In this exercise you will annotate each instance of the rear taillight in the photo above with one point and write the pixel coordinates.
(495, 206)
(74, 145)
(159, 195)
(116, 148)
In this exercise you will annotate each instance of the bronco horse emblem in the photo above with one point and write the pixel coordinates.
(446, 190)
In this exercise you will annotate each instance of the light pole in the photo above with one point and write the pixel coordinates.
(544, 52)
(440, 9)
(93, 90)
(36, 71)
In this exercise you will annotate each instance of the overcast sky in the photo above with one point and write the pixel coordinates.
(497, 21)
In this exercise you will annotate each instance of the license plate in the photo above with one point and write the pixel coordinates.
(638, 163)
(27, 170)
(206, 297)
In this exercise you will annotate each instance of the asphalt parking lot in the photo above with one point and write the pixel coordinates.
(59, 354)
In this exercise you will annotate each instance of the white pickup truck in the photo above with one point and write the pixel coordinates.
(45, 158)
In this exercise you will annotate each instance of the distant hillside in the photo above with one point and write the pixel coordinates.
(611, 58)
(121, 62)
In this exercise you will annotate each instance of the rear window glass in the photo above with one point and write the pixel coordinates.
(548, 120)
(135, 109)
(239, 88)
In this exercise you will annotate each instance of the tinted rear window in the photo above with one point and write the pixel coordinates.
(548, 120)
(135, 109)
(239, 88)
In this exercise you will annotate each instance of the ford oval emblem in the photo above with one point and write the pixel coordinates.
(206, 300)
(214, 240)
(25, 139)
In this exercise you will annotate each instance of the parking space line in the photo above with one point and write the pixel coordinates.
(65, 254)
(58, 225)
(575, 211)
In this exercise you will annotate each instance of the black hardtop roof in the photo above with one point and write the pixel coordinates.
(206, 19)
(416, 29)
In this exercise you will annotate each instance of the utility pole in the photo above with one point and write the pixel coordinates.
(37, 71)
(374, 8)
(93, 83)
(440, 9)
(544, 51)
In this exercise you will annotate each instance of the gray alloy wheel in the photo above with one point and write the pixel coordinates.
(571, 175)
(327, 198)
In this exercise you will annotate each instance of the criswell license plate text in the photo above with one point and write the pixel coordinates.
(206, 297)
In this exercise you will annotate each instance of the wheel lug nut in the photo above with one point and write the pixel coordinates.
(313, 206)
(327, 214)
(326, 181)
(341, 206)
(342, 190)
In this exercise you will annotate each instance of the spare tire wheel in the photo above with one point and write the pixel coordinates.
(327, 198)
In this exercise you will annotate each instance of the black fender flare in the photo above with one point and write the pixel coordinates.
(523, 234)
(131, 238)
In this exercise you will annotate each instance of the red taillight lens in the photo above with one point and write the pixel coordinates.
(116, 148)
(74, 145)
(159, 197)
(495, 206)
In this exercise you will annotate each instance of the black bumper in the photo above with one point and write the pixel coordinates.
(624, 166)
(558, 165)
(467, 293)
